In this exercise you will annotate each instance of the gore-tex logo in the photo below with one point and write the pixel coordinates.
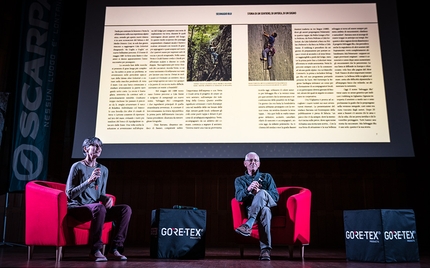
(193, 233)
(400, 235)
(362, 235)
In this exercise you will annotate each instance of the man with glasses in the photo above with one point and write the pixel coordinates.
(258, 192)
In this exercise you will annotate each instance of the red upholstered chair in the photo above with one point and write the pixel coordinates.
(47, 222)
(290, 220)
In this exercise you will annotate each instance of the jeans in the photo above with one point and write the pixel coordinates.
(214, 57)
(267, 54)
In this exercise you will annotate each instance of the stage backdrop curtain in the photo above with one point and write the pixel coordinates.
(39, 38)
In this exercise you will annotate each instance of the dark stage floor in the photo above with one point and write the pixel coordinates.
(16, 256)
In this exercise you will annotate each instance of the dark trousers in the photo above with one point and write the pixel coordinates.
(98, 215)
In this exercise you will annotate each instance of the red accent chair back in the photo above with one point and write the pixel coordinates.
(47, 222)
(290, 220)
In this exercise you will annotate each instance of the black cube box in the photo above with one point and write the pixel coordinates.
(381, 235)
(178, 233)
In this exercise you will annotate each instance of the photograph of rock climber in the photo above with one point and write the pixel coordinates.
(269, 49)
(209, 53)
(270, 52)
(212, 50)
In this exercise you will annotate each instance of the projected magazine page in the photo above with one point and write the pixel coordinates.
(242, 74)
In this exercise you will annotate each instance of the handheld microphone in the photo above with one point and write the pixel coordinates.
(96, 184)
(259, 184)
(98, 175)
(260, 181)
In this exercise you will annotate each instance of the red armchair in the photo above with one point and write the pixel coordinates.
(290, 220)
(47, 222)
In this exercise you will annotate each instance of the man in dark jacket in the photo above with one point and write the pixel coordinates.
(258, 191)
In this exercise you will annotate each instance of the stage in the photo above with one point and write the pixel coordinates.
(215, 257)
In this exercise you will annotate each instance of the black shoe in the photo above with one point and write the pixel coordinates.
(244, 230)
(265, 255)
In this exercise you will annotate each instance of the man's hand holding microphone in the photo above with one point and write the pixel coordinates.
(255, 186)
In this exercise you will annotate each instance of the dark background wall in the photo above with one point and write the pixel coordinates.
(336, 184)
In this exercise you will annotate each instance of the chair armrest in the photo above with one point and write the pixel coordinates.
(238, 212)
(299, 210)
(45, 210)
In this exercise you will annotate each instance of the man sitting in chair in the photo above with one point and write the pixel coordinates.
(258, 192)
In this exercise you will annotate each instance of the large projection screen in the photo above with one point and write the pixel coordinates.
(193, 81)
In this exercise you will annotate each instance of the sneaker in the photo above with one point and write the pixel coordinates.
(263, 58)
(269, 67)
(265, 255)
(244, 230)
(97, 256)
(116, 256)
